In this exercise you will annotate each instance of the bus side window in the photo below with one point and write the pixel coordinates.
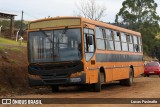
(130, 42)
(136, 46)
(109, 40)
(88, 47)
(117, 41)
(140, 44)
(100, 38)
(124, 42)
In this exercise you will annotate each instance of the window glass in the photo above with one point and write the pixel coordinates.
(124, 42)
(124, 46)
(99, 33)
(135, 40)
(130, 42)
(117, 46)
(89, 31)
(111, 37)
(109, 40)
(100, 38)
(54, 45)
(116, 36)
(108, 34)
(117, 41)
(123, 37)
(136, 46)
(140, 44)
(100, 44)
(89, 48)
(129, 39)
(131, 47)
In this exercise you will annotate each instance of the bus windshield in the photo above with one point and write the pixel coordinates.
(55, 45)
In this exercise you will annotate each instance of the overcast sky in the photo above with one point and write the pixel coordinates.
(36, 9)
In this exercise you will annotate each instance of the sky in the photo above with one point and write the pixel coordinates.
(38, 9)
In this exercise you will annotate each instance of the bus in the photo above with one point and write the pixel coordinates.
(81, 51)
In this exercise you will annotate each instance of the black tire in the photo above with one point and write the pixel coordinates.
(55, 88)
(97, 86)
(128, 81)
(147, 75)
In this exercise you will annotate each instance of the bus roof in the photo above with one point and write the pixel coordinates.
(93, 22)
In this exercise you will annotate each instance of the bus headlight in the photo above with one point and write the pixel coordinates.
(36, 77)
(77, 74)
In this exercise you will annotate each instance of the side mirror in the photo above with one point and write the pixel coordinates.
(90, 40)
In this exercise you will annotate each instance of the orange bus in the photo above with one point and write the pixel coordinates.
(77, 51)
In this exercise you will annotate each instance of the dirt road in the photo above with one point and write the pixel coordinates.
(143, 87)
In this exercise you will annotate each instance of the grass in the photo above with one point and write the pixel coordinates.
(10, 42)
(2, 48)
(16, 49)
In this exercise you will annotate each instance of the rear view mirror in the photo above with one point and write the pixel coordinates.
(90, 40)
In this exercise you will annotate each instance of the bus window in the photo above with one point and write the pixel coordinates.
(109, 40)
(100, 38)
(130, 42)
(89, 48)
(124, 42)
(117, 41)
(140, 44)
(136, 46)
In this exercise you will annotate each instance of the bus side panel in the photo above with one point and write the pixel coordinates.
(93, 77)
(138, 71)
(120, 73)
(109, 74)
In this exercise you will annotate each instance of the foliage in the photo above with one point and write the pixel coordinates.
(17, 24)
(141, 16)
(91, 9)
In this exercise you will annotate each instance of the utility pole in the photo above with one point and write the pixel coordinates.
(21, 27)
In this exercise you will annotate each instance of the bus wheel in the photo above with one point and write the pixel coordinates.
(55, 88)
(129, 81)
(97, 86)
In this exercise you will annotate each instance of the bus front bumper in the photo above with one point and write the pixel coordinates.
(34, 81)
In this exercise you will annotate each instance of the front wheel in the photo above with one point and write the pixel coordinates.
(97, 86)
(55, 88)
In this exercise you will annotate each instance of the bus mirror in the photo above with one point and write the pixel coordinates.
(90, 40)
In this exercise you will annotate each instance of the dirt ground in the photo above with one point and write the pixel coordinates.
(13, 84)
(143, 87)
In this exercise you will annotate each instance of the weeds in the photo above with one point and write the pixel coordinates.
(16, 49)
(2, 48)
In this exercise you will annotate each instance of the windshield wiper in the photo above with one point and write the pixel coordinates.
(63, 32)
(44, 34)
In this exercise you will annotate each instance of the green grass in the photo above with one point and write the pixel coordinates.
(16, 49)
(10, 42)
(2, 48)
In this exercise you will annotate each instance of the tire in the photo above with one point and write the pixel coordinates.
(55, 88)
(97, 86)
(129, 81)
(147, 75)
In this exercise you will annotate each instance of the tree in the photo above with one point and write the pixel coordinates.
(141, 16)
(90, 9)
(140, 11)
